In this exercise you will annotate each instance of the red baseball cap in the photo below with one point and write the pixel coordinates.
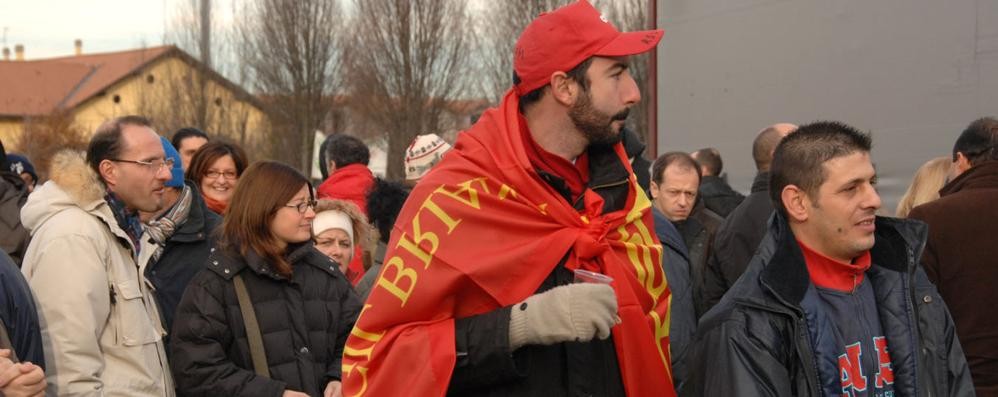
(561, 39)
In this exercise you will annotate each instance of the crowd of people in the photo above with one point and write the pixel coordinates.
(540, 254)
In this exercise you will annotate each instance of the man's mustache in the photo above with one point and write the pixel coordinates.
(622, 115)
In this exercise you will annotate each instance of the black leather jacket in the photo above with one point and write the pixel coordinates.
(756, 341)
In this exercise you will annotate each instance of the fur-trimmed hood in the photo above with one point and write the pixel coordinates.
(72, 184)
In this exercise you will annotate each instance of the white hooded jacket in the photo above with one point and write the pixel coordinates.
(100, 326)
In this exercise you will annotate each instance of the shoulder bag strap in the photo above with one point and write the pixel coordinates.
(253, 334)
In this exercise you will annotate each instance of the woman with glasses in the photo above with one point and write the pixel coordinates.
(341, 231)
(270, 314)
(215, 168)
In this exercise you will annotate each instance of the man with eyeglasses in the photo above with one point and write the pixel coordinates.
(100, 325)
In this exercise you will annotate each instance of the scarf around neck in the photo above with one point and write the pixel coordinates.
(216, 206)
(161, 229)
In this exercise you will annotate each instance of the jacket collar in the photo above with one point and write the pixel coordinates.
(981, 176)
(897, 243)
(761, 182)
(196, 227)
(227, 264)
(72, 184)
(667, 232)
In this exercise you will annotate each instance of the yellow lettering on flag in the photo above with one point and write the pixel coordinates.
(348, 369)
(368, 336)
(505, 190)
(465, 188)
(439, 213)
(401, 272)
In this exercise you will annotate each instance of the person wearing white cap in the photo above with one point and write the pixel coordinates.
(423, 153)
(339, 229)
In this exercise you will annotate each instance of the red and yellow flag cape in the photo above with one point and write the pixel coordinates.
(483, 231)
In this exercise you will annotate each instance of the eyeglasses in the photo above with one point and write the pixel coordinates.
(154, 164)
(303, 206)
(212, 174)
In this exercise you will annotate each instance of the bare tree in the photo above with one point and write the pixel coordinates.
(501, 23)
(42, 137)
(291, 55)
(190, 29)
(406, 60)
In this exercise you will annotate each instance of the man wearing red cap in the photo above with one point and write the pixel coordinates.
(481, 292)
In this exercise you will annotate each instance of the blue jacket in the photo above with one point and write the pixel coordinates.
(676, 264)
(19, 314)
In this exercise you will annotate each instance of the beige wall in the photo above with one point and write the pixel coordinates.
(10, 130)
(167, 93)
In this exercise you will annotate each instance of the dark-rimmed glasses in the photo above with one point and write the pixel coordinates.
(303, 206)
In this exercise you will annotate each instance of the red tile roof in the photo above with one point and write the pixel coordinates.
(39, 87)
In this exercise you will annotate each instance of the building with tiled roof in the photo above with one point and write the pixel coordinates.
(163, 83)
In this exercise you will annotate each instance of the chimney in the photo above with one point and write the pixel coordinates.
(19, 52)
(6, 54)
(78, 45)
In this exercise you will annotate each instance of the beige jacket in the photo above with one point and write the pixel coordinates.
(100, 326)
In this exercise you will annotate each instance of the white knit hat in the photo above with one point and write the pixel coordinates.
(332, 219)
(424, 152)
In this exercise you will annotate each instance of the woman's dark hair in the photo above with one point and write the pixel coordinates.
(265, 188)
(211, 152)
(384, 202)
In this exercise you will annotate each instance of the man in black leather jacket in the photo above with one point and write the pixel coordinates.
(834, 302)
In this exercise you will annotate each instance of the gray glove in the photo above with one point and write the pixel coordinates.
(574, 312)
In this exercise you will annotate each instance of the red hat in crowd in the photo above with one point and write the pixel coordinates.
(561, 39)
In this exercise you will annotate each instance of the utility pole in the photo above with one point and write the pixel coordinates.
(206, 33)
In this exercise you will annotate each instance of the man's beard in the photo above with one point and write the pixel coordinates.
(595, 125)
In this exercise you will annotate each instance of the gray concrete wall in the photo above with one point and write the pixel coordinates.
(913, 72)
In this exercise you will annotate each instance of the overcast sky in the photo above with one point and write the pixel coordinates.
(47, 28)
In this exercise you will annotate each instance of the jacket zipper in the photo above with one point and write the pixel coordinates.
(908, 283)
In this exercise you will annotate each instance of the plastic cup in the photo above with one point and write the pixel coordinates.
(585, 276)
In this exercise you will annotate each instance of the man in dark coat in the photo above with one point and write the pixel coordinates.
(19, 314)
(716, 193)
(743, 229)
(834, 302)
(184, 236)
(683, 321)
(675, 178)
(14, 237)
(961, 256)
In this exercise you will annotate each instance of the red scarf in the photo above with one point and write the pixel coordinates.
(482, 232)
(217, 206)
